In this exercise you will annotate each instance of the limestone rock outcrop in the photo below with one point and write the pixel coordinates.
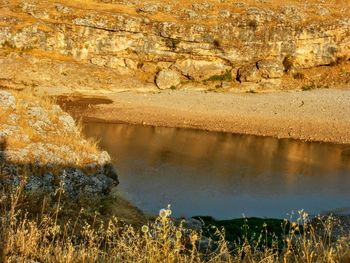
(120, 44)
(41, 145)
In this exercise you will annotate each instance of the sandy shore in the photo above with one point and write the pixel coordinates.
(316, 115)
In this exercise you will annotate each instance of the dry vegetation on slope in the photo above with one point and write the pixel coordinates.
(42, 146)
(32, 121)
(42, 149)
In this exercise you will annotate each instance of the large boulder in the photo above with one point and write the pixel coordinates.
(167, 79)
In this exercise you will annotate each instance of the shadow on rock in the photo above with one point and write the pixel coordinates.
(76, 182)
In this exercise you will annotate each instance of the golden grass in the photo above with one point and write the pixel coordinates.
(46, 238)
(4, 117)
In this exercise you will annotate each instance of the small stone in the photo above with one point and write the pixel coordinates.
(67, 122)
(63, 9)
(39, 119)
(225, 13)
(103, 158)
(131, 64)
(99, 61)
(190, 14)
(167, 78)
(37, 112)
(322, 11)
(201, 6)
(149, 8)
(290, 10)
(7, 100)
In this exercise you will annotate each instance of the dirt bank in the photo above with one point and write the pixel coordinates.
(316, 115)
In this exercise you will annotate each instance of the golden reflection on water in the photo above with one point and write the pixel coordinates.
(176, 165)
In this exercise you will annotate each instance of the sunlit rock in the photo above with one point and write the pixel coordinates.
(167, 78)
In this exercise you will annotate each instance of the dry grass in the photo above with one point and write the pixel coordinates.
(53, 233)
(54, 133)
(46, 238)
(4, 117)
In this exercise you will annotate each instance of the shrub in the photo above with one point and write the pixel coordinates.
(288, 63)
(216, 43)
(226, 76)
(172, 43)
(312, 86)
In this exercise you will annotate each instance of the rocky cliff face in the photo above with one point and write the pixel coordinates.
(120, 44)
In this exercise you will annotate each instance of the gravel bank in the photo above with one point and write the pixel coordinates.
(316, 115)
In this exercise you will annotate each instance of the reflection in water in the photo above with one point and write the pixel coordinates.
(225, 175)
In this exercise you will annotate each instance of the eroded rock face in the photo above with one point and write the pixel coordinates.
(138, 39)
(249, 73)
(201, 69)
(41, 144)
(270, 69)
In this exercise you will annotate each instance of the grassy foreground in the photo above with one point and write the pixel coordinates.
(50, 236)
(50, 229)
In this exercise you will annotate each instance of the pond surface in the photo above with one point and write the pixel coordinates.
(225, 175)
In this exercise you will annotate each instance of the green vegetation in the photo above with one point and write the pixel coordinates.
(226, 76)
(249, 229)
(172, 43)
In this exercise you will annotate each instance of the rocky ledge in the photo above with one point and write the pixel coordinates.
(115, 45)
(42, 146)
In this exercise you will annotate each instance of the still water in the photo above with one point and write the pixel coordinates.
(225, 175)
